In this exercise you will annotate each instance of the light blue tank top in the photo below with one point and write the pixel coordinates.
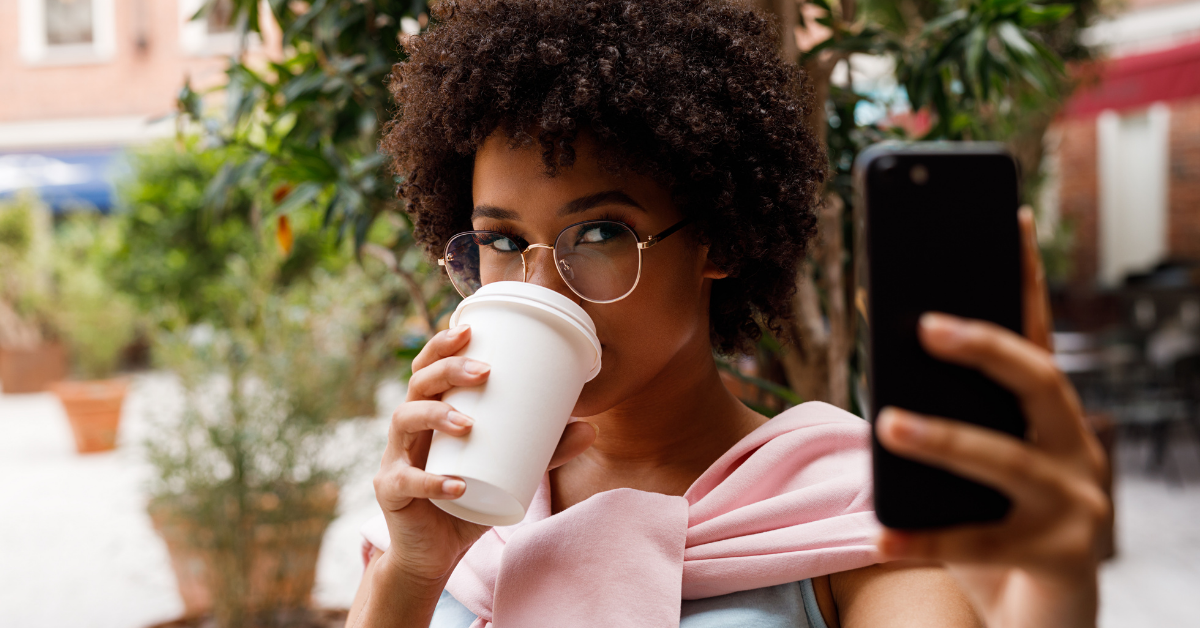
(791, 605)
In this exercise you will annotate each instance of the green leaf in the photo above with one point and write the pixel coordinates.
(302, 195)
(976, 43)
(1035, 15)
(293, 31)
(1015, 40)
(784, 393)
(944, 21)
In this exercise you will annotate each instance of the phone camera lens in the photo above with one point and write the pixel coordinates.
(919, 174)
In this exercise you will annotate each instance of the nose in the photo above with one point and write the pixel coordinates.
(540, 270)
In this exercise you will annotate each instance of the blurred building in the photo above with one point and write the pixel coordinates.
(1124, 160)
(82, 79)
(1123, 177)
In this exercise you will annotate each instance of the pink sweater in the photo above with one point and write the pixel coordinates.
(791, 501)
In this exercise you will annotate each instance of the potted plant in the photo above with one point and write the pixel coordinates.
(29, 358)
(245, 481)
(96, 323)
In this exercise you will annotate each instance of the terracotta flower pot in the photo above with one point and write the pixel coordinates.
(94, 410)
(275, 572)
(32, 370)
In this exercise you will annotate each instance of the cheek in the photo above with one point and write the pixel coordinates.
(644, 332)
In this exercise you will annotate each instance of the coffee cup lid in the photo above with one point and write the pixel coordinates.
(541, 298)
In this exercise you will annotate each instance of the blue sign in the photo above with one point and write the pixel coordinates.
(63, 180)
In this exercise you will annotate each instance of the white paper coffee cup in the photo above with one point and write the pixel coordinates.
(542, 348)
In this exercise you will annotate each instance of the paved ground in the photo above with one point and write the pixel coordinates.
(77, 549)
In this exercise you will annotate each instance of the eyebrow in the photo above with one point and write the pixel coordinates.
(581, 204)
(491, 211)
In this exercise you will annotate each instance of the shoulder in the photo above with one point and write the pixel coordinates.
(874, 594)
(814, 413)
(805, 433)
(814, 453)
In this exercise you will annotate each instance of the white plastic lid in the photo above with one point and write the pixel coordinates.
(541, 298)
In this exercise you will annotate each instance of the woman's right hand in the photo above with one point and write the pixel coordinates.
(426, 542)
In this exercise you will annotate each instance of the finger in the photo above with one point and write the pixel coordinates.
(416, 417)
(993, 458)
(445, 374)
(443, 345)
(575, 440)
(1049, 401)
(400, 484)
(1037, 319)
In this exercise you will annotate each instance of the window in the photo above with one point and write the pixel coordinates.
(215, 33)
(220, 18)
(1133, 171)
(69, 22)
(66, 31)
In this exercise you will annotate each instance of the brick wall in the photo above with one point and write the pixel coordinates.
(137, 80)
(1183, 219)
(1079, 194)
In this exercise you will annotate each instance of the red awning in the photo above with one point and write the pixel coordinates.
(1140, 80)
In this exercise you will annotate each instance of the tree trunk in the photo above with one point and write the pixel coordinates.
(806, 358)
(833, 282)
(816, 363)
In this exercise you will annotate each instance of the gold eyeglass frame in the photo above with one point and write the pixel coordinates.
(642, 245)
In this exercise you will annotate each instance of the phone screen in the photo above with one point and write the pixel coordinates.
(939, 232)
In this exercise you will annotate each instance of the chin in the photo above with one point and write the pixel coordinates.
(590, 403)
(598, 395)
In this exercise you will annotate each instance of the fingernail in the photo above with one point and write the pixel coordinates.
(460, 419)
(946, 328)
(457, 331)
(454, 488)
(473, 367)
(902, 425)
(595, 427)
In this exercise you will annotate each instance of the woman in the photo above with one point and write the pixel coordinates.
(526, 118)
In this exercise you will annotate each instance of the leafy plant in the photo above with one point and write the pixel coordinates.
(26, 280)
(255, 445)
(980, 69)
(969, 64)
(310, 125)
(177, 247)
(94, 319)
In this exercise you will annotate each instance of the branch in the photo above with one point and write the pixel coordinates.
(831, 255)
(414, 288)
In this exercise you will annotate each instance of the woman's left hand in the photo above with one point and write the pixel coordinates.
(1038, 566)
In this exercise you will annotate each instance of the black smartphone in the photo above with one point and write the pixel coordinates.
(936, 231)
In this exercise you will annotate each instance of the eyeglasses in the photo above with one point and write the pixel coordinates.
(599, 260)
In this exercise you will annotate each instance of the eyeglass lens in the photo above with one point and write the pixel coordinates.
(599, 260)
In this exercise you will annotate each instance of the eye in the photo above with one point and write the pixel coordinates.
(595, 234)
(497, 242)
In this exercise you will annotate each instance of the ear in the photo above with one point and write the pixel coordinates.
(711, 271)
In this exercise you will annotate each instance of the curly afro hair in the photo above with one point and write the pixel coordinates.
(690, 92)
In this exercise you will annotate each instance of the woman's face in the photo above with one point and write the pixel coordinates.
(664, 321)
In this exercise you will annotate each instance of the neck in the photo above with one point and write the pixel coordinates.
(663, 437)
